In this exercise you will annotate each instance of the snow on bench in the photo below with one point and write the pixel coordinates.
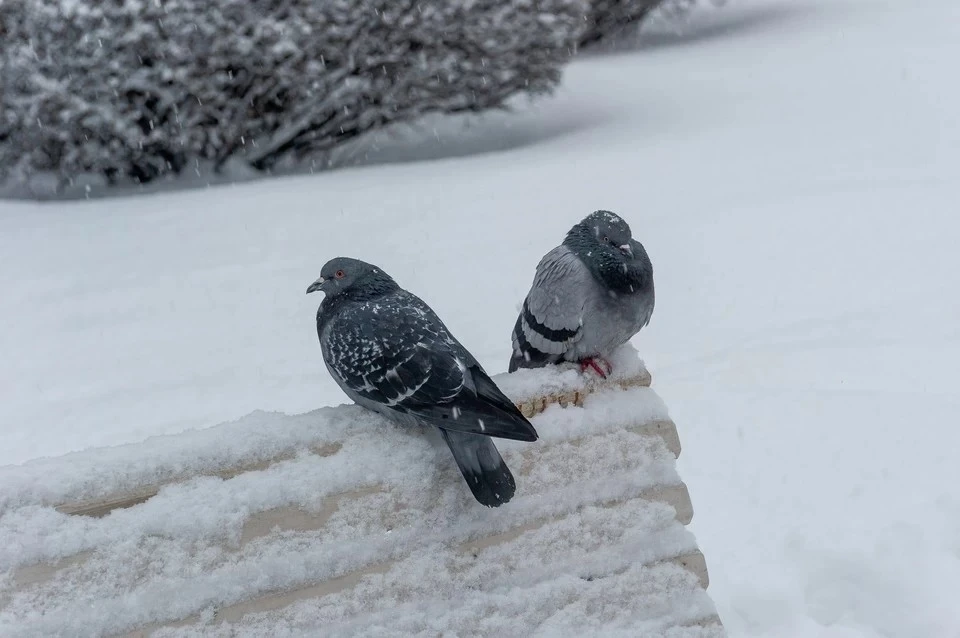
(337, 521)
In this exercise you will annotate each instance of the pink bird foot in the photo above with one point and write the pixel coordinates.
(593, 362)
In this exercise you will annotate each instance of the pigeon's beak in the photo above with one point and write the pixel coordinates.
(317, 285)
(627, 250)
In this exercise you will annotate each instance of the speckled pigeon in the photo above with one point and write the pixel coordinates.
(590, 294)
(390, 353)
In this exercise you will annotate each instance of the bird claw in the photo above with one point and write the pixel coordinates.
(591, 362)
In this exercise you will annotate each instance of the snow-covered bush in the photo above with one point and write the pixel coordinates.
(131, 90)
(607, 17)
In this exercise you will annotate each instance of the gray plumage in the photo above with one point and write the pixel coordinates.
(390, 353)
(590, 294)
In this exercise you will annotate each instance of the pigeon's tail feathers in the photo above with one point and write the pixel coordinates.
(482, 467)
(524, 354)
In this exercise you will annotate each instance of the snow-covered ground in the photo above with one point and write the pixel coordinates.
(793, 168)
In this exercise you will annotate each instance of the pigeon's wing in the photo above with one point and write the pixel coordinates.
(390, 353)
(550, 321)
(398, 354)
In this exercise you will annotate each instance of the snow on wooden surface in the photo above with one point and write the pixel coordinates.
(279, 525)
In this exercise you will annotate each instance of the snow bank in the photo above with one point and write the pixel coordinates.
(336, 518)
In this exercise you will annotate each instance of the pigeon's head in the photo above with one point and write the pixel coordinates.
(343, 274)
(605, 231)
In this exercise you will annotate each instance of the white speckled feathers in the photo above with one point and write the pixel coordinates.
(394, 350)
(390, 353)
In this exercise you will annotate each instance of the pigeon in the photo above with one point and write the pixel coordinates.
(390, 353)
(590, 294)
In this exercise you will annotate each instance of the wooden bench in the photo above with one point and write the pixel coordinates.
(337, 522)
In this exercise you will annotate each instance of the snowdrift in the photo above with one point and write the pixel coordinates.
(337, 522)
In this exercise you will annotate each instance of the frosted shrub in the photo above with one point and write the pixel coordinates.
(607, 17)
(132, 90)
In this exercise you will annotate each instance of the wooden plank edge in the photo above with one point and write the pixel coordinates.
(677, 496)
(691, 561)
(293, 518)
(713, 620)
(98, 508)
(695, 563)
(666, 429)
(531, 407)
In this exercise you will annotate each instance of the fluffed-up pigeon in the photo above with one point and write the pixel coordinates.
(590, 294)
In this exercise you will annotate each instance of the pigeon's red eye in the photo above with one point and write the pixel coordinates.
(338, 274)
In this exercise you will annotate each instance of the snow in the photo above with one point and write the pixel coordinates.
(528, 384)
(791, 168)
(582, 604)
(263, 437)
(188, 549)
